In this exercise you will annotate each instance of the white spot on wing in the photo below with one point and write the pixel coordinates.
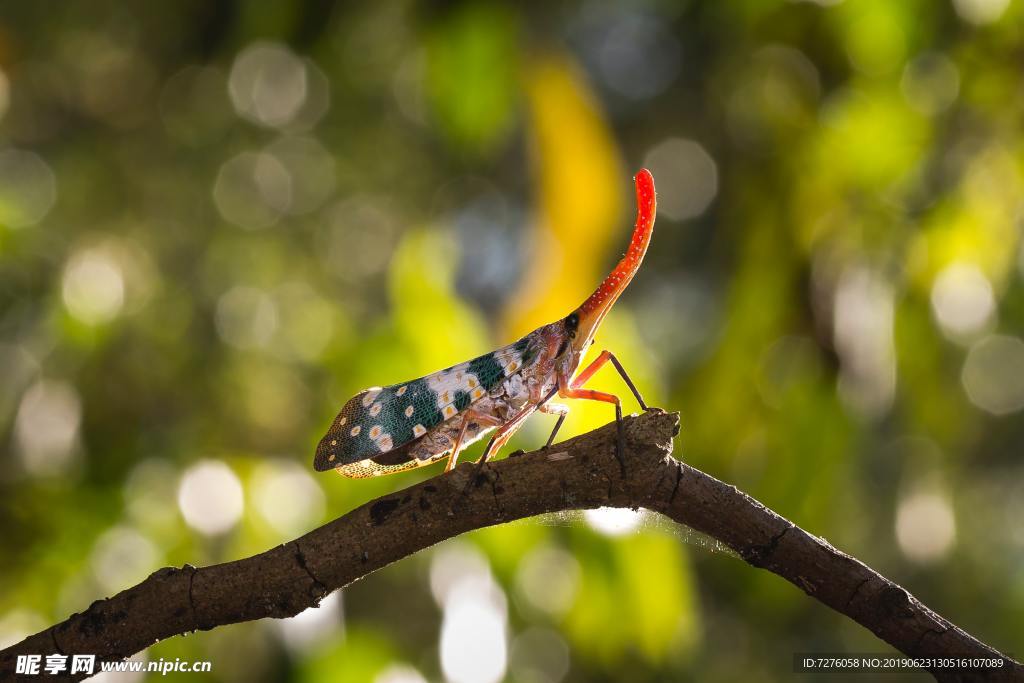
(445, 384)
(509, 359)
(370, 396)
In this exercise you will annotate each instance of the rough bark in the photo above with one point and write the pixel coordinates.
(578, 474)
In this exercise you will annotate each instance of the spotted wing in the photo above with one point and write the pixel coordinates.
(372, 433)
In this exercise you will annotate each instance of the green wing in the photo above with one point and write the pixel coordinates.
(372, 433)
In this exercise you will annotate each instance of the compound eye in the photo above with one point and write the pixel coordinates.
(572, 322)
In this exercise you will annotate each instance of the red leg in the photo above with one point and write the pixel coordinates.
(592, 395)
(505, 432)
(468, 417)
(589, 395)
(596, 365)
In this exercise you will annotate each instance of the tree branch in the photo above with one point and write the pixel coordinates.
(578, 474)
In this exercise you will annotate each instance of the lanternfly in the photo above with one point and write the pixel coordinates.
(383, 430)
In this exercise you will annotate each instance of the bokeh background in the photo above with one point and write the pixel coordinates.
(220, 220)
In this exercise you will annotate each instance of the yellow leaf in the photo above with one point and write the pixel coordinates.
(579, 195)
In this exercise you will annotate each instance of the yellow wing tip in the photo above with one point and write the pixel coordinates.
(365, 469)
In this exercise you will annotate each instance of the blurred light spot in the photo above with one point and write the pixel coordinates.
(372, 43)
(77, 592)
(150, 492)
(875, 42)
(210, 497)
(1013, 512)
(993, 374)
(363, 226)
(310, 169)
(5, 93)
(407, 85)
(46, 427)
(269, 397)
(122, 557)
(539, 655)
(980, 11)
(925, 526)
(687, 177)
(930, 83)
(962, 300)
(17, 368)
(313, 626)
(548, 578)
(992, 180)
(135, 265)
(775, 95)
(863, 327)
(399, 673)
(683, 336)
(253, 190)
(246, 317)
(634, 53)
(452, 563)
(93, 286)
(287, 497)
(28, 188)
(473, 631)
(308, 322)
(18, 624)
(268, 84)
(318, 99)
(613, 521)
(115, 81)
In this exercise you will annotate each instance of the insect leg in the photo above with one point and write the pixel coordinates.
(559, 409)
(592, 395)
(597, 364)
(469, 417)
(505, 432)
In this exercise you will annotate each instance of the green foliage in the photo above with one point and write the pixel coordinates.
(471, 73)
(220, 221)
